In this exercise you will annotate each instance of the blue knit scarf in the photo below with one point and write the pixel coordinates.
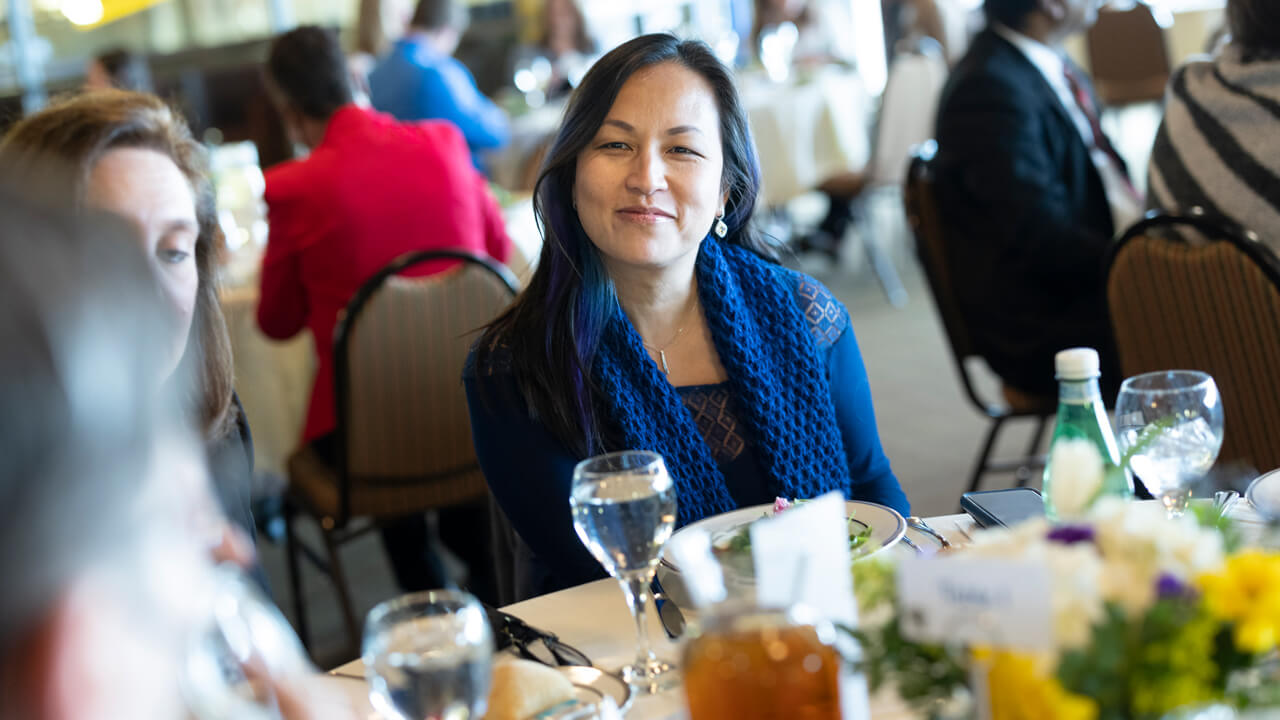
(777, 375)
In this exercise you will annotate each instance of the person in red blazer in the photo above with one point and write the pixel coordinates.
(371, 189)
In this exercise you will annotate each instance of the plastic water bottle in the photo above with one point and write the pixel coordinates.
(1084, 460)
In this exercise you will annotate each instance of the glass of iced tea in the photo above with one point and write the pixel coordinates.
(759, 663)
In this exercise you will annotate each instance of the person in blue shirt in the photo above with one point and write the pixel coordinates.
(419, 79)
(657, 319)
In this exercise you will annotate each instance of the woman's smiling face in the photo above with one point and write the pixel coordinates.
(650, 183)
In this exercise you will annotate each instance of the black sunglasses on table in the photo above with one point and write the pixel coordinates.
(531, 643)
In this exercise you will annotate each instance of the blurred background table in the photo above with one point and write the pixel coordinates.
(807, 129)
(273, 379)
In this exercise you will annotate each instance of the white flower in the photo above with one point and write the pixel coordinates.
(1076, 473)
(1141, 533)
(1075, 572)
(1139, 544)
(1131, 586)
(1077, 599)
(1014, 542)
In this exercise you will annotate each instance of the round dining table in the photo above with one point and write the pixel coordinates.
(594, 618)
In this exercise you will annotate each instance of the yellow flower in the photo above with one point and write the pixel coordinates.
(1246, 592)
(1023, 687)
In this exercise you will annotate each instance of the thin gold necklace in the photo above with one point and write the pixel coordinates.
(662, 351)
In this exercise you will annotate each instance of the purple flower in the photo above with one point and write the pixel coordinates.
(1169, 586)
(1071, 534)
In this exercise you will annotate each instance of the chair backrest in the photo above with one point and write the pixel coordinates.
(931, 248)
(1128, 55)
(399, 352)
(907, 109)
(1211, 306)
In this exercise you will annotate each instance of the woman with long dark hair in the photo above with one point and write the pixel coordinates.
(657, 319)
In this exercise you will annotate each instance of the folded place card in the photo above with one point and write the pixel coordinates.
(801, 555)
(976, 602)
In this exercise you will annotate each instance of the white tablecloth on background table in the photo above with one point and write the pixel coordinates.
(594, 619)
(532, 130)
(807, 130)
(273, 380)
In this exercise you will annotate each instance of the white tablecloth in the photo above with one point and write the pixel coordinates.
(273, 380)
(510, 166)
(594, 618)
(807, 130)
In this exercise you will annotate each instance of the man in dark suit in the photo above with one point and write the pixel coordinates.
(1030, 193)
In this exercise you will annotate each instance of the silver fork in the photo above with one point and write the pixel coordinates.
(922, 526)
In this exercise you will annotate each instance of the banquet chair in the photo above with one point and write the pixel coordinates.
(402, 444)
(1212, 304)
(931, 248)
(905, 119)
(1129, 55)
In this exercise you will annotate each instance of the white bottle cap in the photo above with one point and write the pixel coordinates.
(1077, 364)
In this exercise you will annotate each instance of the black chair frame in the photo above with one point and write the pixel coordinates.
(335, 531)
(1212, 226)
(920, 169)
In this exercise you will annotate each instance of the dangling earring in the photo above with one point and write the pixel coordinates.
(720, 228)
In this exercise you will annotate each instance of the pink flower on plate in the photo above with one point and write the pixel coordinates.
(780, 504)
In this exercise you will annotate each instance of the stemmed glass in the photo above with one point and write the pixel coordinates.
(624, 509)
(428, 656)
(1169, 427)
(242, 647)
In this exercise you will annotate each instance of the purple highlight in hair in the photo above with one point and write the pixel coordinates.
(1071, 534)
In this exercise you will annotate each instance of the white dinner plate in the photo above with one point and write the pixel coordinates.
(887, 526)
(1264, 495)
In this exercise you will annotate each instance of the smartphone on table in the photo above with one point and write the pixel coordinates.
(1002, 508)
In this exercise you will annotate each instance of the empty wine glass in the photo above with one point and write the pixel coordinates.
(624, 509)
(428, 656)
(1169, 427)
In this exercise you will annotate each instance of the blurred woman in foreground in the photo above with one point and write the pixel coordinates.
(657, 320)
(128, 153)
(105, 584)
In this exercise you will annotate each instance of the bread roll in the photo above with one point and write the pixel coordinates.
(523, 688)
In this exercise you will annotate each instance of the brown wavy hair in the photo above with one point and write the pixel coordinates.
(60, 145)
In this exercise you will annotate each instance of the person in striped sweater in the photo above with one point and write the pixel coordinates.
(1216, 147)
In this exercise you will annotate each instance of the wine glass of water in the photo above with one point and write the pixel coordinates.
(624, 509)
(1170, 428)
(428, 656)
